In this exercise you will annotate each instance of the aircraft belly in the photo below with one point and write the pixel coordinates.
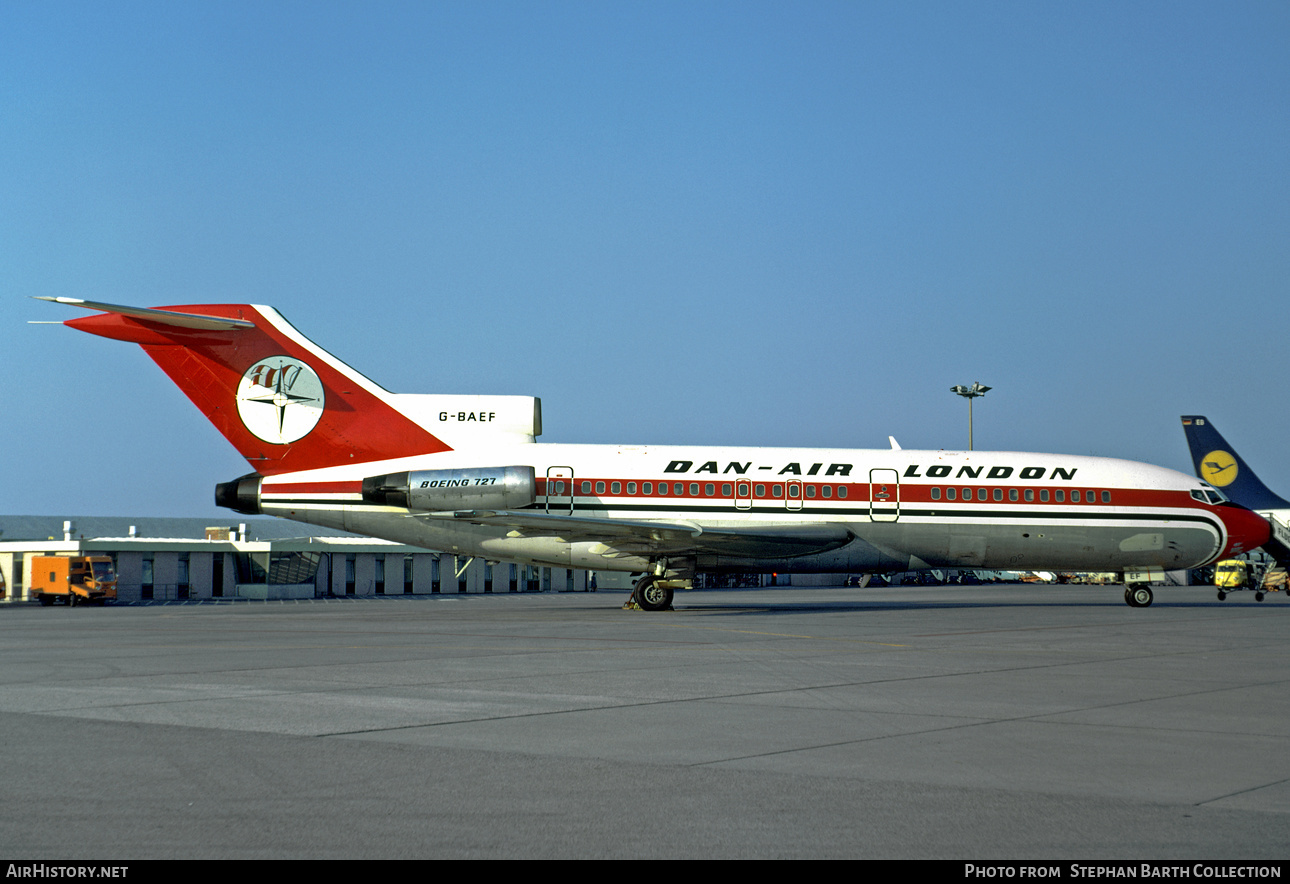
(859, 555)
(1050, 546)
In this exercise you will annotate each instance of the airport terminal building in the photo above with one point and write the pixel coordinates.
(186, 559)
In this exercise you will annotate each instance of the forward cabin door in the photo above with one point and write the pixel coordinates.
(884, 495)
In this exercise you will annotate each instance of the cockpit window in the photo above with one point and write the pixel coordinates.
(1208, 495)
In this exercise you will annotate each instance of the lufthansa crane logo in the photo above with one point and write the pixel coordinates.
(280, 399)
(1218, 468)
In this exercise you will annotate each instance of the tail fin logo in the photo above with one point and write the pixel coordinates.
(280, 399)
(1218, 468)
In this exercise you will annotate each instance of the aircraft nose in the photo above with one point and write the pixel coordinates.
(1246, 530)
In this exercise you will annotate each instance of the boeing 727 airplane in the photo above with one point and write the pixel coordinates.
(464, 475)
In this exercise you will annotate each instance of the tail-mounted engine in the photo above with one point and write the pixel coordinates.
(241, 495)
(490, 488)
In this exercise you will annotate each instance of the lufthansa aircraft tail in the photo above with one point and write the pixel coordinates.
(1218, 464)
(288, 405)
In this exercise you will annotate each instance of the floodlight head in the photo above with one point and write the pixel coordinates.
(977, 389)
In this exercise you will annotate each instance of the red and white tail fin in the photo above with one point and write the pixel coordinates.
(284, 403)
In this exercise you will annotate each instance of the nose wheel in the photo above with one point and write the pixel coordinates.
(1138, 596)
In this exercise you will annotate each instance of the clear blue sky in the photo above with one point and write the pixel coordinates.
(727, 223)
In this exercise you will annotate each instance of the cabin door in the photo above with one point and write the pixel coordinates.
(884, 495)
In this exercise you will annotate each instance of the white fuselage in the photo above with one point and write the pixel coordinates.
(904, 509)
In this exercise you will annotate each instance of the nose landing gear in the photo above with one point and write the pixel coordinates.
(1138, 595)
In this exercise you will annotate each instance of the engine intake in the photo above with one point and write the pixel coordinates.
(491, 488)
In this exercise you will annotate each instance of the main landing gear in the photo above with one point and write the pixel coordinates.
(652, 594)
(1138, 595)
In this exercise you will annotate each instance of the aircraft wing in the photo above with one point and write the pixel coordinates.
(675, 538)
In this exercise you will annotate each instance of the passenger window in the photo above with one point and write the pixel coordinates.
(1012, 494)
(936, 494)
(759, 491)
(1030, 494)
(1106, 497)
(600, 487)
(647, 487)
(1059, 496)
(1043, 495)
(794, 492)
(998, 494)
(810, 490)
(777, 491)
(586, 487)
(694, 489)
(725, 489)
(980, 494)
(678, 489)
(709, 489)
(616, 487)
(951, 494)
(1074, 495)
(826, 490)
(842, 491)
(631, 487)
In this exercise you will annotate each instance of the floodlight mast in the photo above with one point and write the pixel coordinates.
(970, 393)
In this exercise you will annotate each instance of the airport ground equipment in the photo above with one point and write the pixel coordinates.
(73, 580)
(1231, 574)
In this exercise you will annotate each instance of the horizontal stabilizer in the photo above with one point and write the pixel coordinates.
(162, 317)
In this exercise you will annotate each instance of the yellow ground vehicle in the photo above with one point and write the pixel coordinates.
(76, 580)
(1232, 574)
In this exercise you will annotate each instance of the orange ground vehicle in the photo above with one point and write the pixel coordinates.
(75, 580)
